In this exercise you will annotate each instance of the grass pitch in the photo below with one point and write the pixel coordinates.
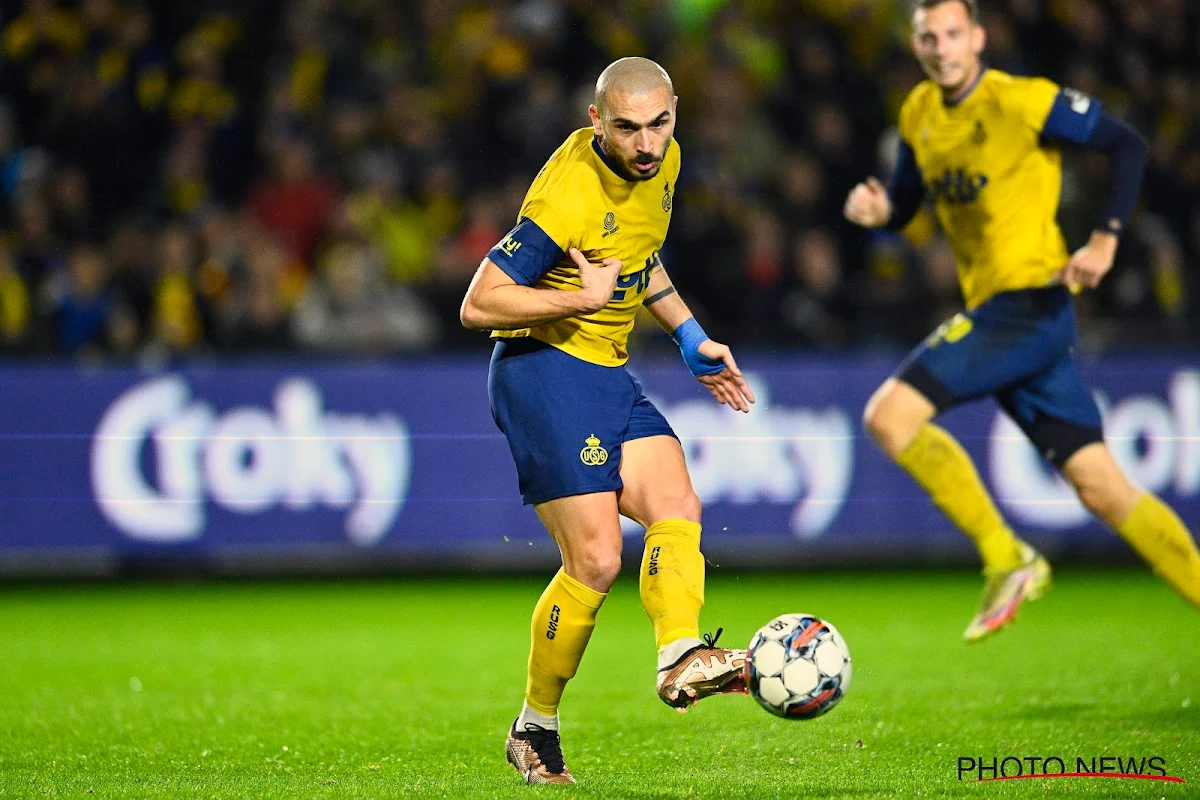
(404, 688)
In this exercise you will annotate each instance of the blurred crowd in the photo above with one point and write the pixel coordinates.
(211, 176)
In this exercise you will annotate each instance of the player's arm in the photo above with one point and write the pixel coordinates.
(710, 362)
(1077, 119)
(503, 294)
(873, 205)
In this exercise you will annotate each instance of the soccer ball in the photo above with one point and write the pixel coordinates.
(798, 666)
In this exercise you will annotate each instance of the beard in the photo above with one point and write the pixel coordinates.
(626, 169)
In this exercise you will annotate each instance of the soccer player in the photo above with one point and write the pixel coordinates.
(986, 146)
(560, 294)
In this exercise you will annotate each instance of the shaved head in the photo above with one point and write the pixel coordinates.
(631, 75)
(634, 116)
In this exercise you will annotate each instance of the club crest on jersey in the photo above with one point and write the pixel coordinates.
(979, 138)
(610, 225)
(957, 187)
(666, 201)
(593, 455)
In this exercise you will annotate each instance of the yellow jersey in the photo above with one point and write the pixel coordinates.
(995, 182)
(578, 201)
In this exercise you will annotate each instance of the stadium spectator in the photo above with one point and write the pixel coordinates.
(15, 310)
(407, 125)
(347, 309)
(80, 302)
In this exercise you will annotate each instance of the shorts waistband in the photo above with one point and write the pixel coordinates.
(507, 348)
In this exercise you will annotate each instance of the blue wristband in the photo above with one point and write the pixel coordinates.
(689, 336)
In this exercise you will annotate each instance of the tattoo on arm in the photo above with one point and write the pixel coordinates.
(667, 292)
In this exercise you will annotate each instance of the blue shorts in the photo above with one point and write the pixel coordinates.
(1018, 347)
(565, 419)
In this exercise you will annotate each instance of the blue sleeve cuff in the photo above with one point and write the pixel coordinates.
(689, 336)
(1072, 118)
(526, 253)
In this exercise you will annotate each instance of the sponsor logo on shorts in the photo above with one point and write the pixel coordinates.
(593, 455)
(951, 331)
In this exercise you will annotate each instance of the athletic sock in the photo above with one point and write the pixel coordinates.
(670, 653)
(562, 624)
(1160, 537)
(672, 580)
(530, 714)
(944, 470)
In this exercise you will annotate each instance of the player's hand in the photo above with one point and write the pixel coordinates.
(868, 204)
(727, 386)
(598, 281)
(1090, 263)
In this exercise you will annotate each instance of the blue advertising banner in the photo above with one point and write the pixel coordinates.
(403, 460)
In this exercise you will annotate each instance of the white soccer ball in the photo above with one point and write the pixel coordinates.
(798, 666)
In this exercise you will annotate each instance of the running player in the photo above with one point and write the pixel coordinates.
(986, 146)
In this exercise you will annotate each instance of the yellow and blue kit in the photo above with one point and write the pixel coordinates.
(992, 164)
(560, 392)
(578, 201)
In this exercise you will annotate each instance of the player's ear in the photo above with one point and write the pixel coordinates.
(978, 38)
(594, 113)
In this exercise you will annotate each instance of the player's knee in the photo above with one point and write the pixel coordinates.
(880, 426)
(688, 506)
(683, 503)
(598, 567)
(1101, 486)
(894, 415)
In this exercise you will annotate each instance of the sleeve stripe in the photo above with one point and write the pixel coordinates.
(527, 253)
(1072, 118)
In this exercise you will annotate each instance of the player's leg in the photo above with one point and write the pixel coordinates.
(658, 494)
(1008, 340)
(588, 534)
(899, 417)
(1147, 523)
(563, 419)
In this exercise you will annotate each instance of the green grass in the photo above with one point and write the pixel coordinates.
(404, 688)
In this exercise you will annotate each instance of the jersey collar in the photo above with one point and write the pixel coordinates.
(599, 151)
(970, 90)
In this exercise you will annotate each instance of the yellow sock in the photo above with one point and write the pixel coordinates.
(672, 579)
(944, 470)
(1159, 536)
(562, 624)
